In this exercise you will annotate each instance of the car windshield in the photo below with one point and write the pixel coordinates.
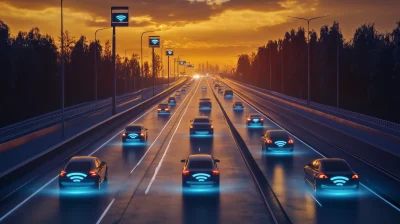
(78, 166)
(200, 164)
(206, 104)
(335, 166)
(238, 103)
(163, 105)
(171, 98)
(255, 116)
(134, 128)
(202, 120)
(279, 135)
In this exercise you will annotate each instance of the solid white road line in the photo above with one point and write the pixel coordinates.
(169, 143)
(105, 211)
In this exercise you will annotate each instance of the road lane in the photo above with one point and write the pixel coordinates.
(238, 200)
(82, 206)
(285, 175)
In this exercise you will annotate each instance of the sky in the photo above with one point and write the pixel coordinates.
(216, 31)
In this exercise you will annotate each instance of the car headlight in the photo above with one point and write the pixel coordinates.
(191, 126)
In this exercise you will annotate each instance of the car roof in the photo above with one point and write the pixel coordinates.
(277, 131)
(332, 159)
(163, 104)
(82, 159)
(205, 99)
(254, 114)
(200, 157)
(238, 102)
(201, 117)
(134, 125)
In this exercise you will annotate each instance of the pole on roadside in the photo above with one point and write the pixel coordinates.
(154, 79)
(62, 72)
(114, 81)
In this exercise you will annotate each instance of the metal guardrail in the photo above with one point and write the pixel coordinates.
(331, 110)
(33, 124)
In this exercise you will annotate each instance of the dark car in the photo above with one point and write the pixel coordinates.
(220, 89)
(203, 88)
(178, 93)
(164, 108)
(135, 132)
(228, 93)
(205, 104)
(216, 85)
(83, 171)
(254, 119)
(201, 125)
(331, 174)
(183, 90)
(171, 100)
(238, 105)
(200, 170)
(277, 140)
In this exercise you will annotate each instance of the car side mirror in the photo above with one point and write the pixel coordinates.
(103, 163)
(217, 160)
(183, 160)
(146, 129)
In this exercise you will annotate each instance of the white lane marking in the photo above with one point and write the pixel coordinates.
(169, 143)
(54, 178)
(140, 161)
(24, 201)
(314, 198)
(386, 201)
(105, 211)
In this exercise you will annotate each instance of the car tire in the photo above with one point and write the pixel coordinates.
(98, 184)
(106, 175)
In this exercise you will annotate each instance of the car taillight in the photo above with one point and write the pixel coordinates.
(248, 119)
(269, 141)
(215, 172)
(159, 109)
(62, 173)
(93, 173)
(142, 134)
(355, 176)
(185, 172)
(166, 109)
(290, 141)
(262, 119)
(123, 134)
(322, 176)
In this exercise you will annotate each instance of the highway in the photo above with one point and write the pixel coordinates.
(144, 183)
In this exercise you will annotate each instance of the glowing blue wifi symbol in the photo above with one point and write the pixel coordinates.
(154, 41)
(133, 135)
(121, 17)
(280, 143)
(339, 180)
(201, 176)
(76, 177)
(169, 52)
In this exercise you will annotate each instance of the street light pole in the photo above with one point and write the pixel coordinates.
(270, 67)
(337, 69)
(95, 61)
(126, 74)
(153, 72)
(62, 71)
(141, 55)
(308, 39)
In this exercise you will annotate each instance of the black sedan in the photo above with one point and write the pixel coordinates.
(238, 105)
(254, 119)
(83, 171)
(201, 125)
(200, 170)
(135, 132)
(331, 174)
(277, 140)
(164, 108)
(204, 88)
(171, 100)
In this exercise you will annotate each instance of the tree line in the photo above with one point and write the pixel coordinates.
(368, 67)
(30, 73)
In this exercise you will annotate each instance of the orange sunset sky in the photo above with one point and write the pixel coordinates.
(200, 30)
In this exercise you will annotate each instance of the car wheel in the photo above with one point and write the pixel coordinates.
(98, 184)
(106, 175)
